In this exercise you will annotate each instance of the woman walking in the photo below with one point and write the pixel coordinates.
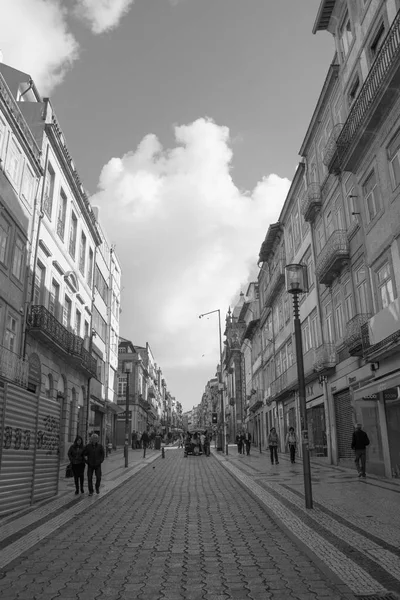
(273, 442)
(291, 442)
(75, 455)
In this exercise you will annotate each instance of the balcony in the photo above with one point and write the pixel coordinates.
(353, 337)
(330, 156)
(13, 368)
(276, 281)
(380, 335)
(152, 391)
(372, 105)
(311, 203)
(45, 326)
(333, 257)
(325, 358)
(285, 382)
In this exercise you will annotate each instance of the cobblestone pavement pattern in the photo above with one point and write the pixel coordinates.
(178, 528)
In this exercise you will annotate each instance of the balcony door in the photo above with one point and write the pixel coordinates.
(54, 298)
(67, 312)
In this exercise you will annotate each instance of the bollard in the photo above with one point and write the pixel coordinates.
(226, 451)
(162, 452)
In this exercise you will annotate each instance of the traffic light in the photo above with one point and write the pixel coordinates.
(214, 418)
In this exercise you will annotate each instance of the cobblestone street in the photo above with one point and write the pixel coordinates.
(215, 528)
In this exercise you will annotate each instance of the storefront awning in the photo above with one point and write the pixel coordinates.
(113, 407)
(371, 390)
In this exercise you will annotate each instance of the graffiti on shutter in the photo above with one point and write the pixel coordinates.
(344, 424)
(18, 447)
(47, 462)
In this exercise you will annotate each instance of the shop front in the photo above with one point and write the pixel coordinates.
(377, 407)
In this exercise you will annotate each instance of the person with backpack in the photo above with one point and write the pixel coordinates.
(291, 443)
(359, 444)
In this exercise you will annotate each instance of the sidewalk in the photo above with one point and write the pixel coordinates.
(354, 526)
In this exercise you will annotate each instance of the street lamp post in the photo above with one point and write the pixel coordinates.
(220, 384)
(296, 283)
(127, 371)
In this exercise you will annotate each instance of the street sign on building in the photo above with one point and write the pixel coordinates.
(121, 416)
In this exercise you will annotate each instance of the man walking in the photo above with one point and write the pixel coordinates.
(247, 441)
(359, 444)
(145, 442)
(93, 453)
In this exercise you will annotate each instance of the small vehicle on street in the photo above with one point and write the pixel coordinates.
(192, 443)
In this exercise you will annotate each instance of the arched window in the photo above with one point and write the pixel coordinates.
(48, 385)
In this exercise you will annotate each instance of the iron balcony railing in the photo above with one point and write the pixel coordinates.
(13, 368)
(41, 319)
(44, 321)
(387, 56)
(330, 153)
(325, 357)
(353, 335)
(311, 202)
(332, 257)
(275, 283)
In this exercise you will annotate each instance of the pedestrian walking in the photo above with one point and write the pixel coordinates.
(273, 441)
(94, 456)
(145, 442)
(134, 440)
(359, 444)
(77, 460)
(291, 443)
(247, 441)
(207, 441)
(239, 443)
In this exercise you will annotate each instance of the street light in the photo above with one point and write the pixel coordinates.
(296, 283)
(127, 370)
(220, 385)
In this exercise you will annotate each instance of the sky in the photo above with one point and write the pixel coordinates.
(184, 119)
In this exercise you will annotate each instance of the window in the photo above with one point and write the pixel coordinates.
(90, 268)
(14, 163)
(82, 254)
(86, 329)
(2, 137)
(394, 160)
(54, 298)
(353, 90)
(5, 231)
(38, 286)
(284, 360)
(351, 199)
(18, 259)
(78, 322)
(339, 218)
(122, 384)
(286, 308)
(67, 312)
(377, 41)
(49, 191)
(10, 338)
(296, 228)
(348, 300)
(99, 324)
(72, 235)
(385, 286)
(346, 36)
(281, 318)
(290, 354)
(101, 285)
(62, 211)
(328, 322)
(371, 196)
(314, 329)
(290, 241)
(28, 185)
(361, 290)
(306, 332)
(338, 315)
(319, 237)
(329, 224)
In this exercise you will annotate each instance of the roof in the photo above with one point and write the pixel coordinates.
(324, 15)
(268, 243)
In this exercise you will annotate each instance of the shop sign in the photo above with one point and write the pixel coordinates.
(391, 394)
(121, 416)
(370, 397)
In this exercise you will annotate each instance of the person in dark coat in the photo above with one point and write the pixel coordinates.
(247, 441)
(239, 443)
(94, 455)
(145, 442)
(359, 444)
(76, 458)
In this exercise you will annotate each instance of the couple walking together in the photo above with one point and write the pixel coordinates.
(91, 455)
(273, 443)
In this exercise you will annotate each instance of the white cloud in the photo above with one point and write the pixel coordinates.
(102, 15)
(34, 38)
(186, 237)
